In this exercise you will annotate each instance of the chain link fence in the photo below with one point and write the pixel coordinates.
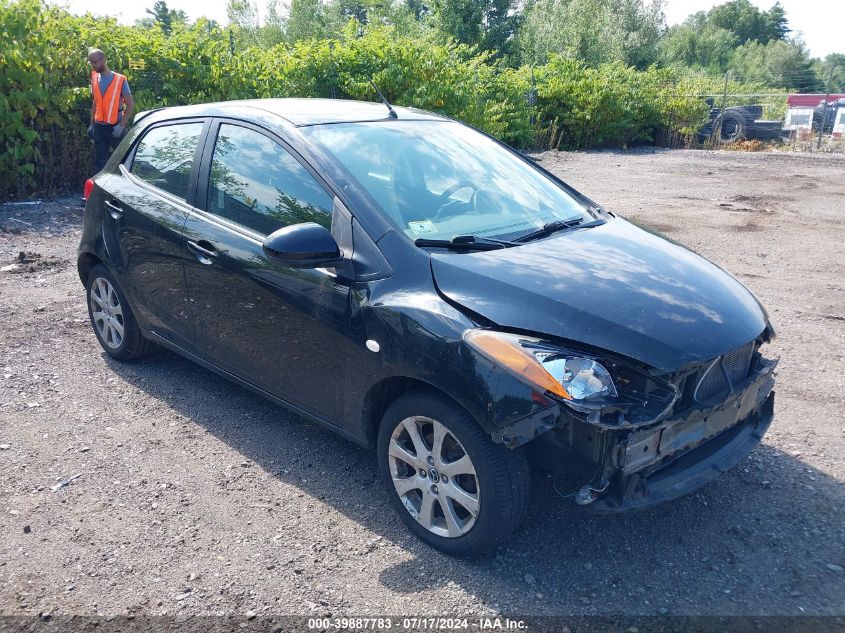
(753, 122)
(764, 120)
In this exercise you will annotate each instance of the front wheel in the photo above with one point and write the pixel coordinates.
(451, 484)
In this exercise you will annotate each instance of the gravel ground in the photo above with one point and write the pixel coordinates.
(194, 496)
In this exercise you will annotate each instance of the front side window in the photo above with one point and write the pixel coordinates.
(257, 184)
(165, 156)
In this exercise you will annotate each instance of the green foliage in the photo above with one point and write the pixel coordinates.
(593, 31)
(709, 48)
(306, 20)
(588, 93)
(708, 39)
(831, 71)
(488, 24)
(43, 78)
(782, 63)
(749, 23)
(166, 18)
(582, 107)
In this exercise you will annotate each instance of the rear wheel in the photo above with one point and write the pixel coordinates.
(451, 484)
(111, 317)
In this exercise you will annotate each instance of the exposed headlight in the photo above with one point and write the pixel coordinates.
(577, 379)
(583, 378)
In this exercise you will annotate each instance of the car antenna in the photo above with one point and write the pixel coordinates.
(383, 100)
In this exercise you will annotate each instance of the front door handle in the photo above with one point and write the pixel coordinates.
(204, 251)
(114, 211)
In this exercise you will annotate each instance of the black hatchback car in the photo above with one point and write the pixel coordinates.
(424, 290)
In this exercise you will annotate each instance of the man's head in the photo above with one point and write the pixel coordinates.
(97, 60)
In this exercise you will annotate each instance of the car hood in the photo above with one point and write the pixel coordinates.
(615, 287)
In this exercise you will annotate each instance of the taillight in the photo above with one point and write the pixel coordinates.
(89, 187)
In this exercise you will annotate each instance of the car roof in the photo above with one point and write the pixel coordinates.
(299, 112)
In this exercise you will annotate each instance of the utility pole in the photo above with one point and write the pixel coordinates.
(333, 71)
(824, 110)
(532, 98)
(722, 113)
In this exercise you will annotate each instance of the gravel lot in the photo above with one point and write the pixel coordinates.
(196, 496)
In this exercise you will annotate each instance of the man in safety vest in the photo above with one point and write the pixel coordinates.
(110, 92)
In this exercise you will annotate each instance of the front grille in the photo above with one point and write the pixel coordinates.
(725, 372)
(736, 363)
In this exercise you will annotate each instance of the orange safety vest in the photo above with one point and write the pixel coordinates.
(106, 106)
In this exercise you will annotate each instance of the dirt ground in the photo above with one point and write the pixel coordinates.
(192, 495)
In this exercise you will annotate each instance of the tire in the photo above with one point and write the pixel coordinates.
(487, 477)
(111, 317)
(732, 128)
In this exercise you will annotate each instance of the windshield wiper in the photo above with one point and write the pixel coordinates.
(554, 227)
(468, 242)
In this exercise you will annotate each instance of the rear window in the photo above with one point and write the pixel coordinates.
(165, 156)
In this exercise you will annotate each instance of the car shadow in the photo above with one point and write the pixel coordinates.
(748, 543)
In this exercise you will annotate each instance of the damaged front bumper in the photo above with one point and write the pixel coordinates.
(628, 468)
(685, 471)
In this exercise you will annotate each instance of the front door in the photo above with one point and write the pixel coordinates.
(282, 329)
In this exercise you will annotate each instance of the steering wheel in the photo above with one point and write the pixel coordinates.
(443, 198)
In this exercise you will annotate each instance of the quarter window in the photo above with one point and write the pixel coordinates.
(165, 156)
(257, 184)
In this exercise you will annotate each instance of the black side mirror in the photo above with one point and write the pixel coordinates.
(306, 245)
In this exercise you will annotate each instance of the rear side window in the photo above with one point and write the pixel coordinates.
(257, 183)
(165, 156)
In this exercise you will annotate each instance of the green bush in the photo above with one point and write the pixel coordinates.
(581, 107)
(45, 99)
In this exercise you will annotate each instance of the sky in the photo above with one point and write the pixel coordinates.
(820, 22)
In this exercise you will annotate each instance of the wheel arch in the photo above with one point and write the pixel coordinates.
(85, 264)
(385, 392)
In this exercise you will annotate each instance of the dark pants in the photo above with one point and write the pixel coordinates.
(104, 145)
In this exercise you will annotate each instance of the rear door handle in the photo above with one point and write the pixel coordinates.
(204, 251)
(114, 211)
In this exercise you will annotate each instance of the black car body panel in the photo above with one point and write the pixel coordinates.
(613, 287)
(339, 342)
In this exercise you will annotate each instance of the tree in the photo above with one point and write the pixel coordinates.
(831, 71)
(707, 40)
(499, 25)
(166, 18)
(459, 20)
(748, 23)
(243, 20)
(370, 13)
(782, 63)
(242, 14)
(710, 49)
(488, 24)
(594, 31)
(420, 8)
(306, 20)
(272, 32)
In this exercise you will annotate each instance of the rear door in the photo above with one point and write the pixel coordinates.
(146, 206)
(282, 329)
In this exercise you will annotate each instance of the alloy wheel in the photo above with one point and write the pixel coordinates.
(107, 313)
(434, 476)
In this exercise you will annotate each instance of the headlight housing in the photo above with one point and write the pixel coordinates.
(584, 379)
(584, 383)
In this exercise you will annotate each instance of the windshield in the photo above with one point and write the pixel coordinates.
(438, 179)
